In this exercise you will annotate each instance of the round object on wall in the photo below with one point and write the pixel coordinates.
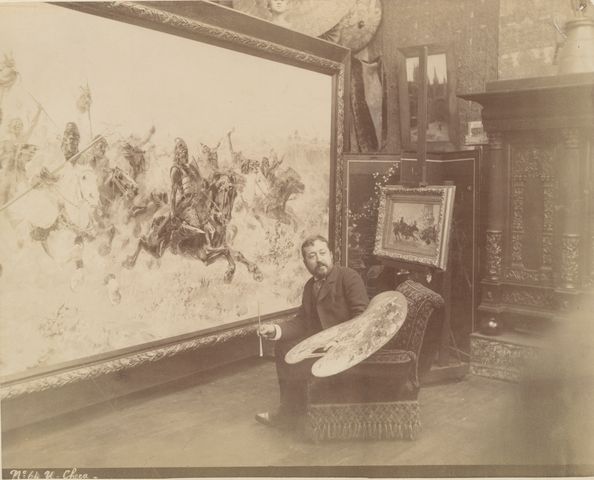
(311, 17)
(359, 25)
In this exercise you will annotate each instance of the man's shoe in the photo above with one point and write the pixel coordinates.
(276, 419)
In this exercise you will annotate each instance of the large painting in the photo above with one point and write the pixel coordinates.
(151, 185)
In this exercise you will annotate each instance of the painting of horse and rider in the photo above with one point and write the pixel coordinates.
(133, 211)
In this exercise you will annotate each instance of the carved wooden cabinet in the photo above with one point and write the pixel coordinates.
(538, 251)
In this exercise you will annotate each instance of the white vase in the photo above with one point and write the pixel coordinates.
(577, 53)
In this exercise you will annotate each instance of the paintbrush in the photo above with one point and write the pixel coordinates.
(259, 336)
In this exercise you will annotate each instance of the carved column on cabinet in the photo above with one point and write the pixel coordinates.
(570, 209)
(490, 322)
(495, 208)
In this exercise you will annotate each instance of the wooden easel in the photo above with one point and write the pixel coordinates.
(445, 369)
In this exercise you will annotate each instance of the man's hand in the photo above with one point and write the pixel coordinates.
(267, 331)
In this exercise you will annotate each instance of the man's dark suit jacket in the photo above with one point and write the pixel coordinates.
(342, 296)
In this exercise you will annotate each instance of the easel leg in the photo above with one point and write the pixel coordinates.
(446, 329)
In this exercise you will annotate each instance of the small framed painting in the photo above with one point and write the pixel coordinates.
(414, 224)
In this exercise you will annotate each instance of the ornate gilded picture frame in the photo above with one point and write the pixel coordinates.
(414, 224)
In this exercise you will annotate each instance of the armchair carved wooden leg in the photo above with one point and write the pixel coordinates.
(378, 398)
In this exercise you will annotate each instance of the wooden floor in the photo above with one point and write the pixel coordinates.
(208, 421)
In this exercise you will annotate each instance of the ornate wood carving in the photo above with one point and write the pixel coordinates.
(490, 294)
(571, 138)
(517, 206)
(547, 250)
(516, 241)
(529, 297)
(571, 210)
(532, 163)
(494, 233)
(570, 246)
(494, 253)
(501, 360)
(547, 126)
(544, 277)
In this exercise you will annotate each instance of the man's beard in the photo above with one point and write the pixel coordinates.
(317, 271)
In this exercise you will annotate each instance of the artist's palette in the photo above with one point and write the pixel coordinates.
(347, 344)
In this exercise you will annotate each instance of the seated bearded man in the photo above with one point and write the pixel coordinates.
(333, 295)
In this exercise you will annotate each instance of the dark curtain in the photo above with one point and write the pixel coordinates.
(367, 90)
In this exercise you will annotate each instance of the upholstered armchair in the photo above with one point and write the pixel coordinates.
(378, 398)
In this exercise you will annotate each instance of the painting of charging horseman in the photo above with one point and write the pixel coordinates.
(129, 216)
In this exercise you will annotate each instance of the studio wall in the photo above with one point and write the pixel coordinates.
(470, 27)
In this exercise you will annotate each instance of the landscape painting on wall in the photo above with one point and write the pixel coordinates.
(151, 185)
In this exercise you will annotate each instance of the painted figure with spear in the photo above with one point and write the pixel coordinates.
(83, 104)
(8, 75)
